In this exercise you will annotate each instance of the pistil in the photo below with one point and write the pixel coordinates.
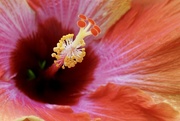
(71, 51)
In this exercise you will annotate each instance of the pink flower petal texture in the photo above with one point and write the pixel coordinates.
(131, 72)
(17, 20)
(104, 12)
(142, 50)
(15, 105)
(123, 103)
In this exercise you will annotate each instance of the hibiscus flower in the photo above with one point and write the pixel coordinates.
(130, 71)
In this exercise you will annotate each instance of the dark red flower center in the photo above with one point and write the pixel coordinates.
(31, 59)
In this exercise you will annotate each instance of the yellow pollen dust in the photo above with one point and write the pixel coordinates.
(69, 52)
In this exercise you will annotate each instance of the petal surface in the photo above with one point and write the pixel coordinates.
(123, 103)
(142, 50)
(16, 21)
(14, 105)
(104, 12)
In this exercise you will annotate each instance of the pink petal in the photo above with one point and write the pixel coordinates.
(123, 103)
(15, 105)
(142, 50)
(16, 21)
(104, 12)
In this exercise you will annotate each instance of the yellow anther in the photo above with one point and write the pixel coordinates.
(69, 52)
